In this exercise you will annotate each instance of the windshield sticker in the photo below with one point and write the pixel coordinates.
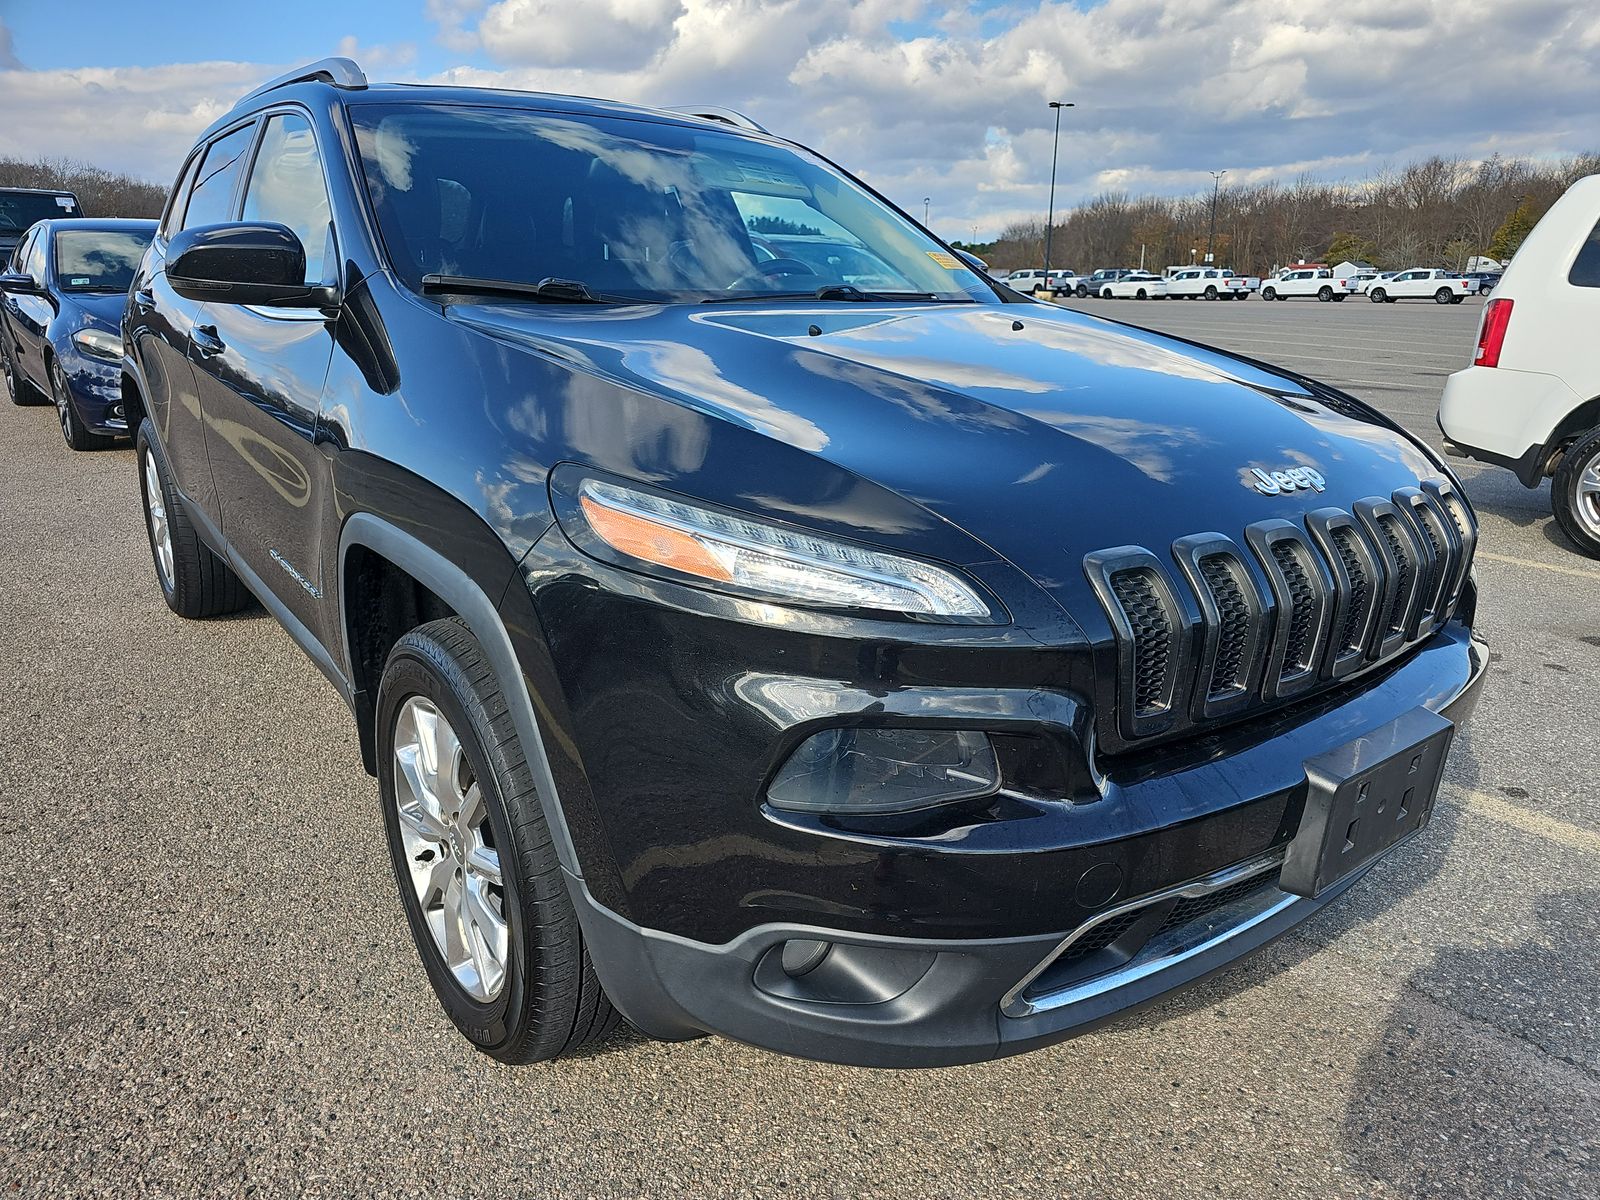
(80, 281)
(65, 202)
(948, 261)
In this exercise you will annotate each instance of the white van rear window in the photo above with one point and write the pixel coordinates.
(1585, 270)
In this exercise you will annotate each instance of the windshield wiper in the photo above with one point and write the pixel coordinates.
(557, 291)
(830, 291)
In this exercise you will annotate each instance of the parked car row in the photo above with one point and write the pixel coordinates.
(1215, 283)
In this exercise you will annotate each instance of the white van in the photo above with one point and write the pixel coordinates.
(1531, 399)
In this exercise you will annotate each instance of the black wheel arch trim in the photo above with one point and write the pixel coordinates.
(482, 616)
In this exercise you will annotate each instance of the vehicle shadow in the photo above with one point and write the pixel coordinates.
(1553, 535)
(1443, 1106)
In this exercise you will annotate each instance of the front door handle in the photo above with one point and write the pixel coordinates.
(207, 342)
(144, 300)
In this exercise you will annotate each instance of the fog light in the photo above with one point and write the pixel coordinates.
(885, 770)
(800, 955)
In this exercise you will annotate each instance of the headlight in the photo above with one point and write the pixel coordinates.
(97, 343)
(767, 560)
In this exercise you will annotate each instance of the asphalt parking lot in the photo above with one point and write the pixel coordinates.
(208, 988)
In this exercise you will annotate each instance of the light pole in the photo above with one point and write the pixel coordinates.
(926, 201)
(1050, 221)
(1216, 186)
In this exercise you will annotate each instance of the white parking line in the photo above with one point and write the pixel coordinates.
(1564, 833)
(1580, 572)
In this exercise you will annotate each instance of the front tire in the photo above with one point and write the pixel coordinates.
(72, 428)
(1377, 295)
(1269, 293)
(195, 582)
(1575, 494)
(473, 857)
(1082, 292)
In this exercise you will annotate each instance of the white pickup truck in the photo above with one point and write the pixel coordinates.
(1422, 283)
(1210, 283)
(1307, 281)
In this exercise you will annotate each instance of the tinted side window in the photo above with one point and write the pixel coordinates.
(211, 202)
(180, 197)
(286, 186)
(1585, 270)
(20, 254)
(34, 263)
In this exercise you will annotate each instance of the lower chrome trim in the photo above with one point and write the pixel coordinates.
(1164, 950)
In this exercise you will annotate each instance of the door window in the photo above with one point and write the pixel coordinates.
(19, 256)
(286, 187)
(33, 264)
(211, 202)
(180, 195)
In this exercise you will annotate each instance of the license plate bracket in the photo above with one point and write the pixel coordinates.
(1364, 798)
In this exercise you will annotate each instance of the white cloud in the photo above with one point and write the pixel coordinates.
(924, 99)
(377, 57)
(8, 53)
(619, 33)
(141, 120)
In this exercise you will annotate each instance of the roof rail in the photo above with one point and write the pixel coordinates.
(341, 72)
(715, 112)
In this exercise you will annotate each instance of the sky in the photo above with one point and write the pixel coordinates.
(920, 98)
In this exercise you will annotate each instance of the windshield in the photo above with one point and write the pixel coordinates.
(633, 209)
(99, 260)
(18, 210)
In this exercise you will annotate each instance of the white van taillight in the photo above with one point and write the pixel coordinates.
(1492, 335)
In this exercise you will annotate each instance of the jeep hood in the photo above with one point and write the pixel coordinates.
(1067, 435)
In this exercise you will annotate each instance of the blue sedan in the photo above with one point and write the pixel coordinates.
(61, 304)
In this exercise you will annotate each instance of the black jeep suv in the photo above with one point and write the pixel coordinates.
(900, 676)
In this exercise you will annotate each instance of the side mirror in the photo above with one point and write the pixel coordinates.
(19, 285)
(973, 261)
(244, 262)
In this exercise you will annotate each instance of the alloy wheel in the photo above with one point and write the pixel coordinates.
(453, 864)
(58, 393)
(1589, 496)
(155, 505)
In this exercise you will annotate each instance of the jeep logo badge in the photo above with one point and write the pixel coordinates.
(1295, 479)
